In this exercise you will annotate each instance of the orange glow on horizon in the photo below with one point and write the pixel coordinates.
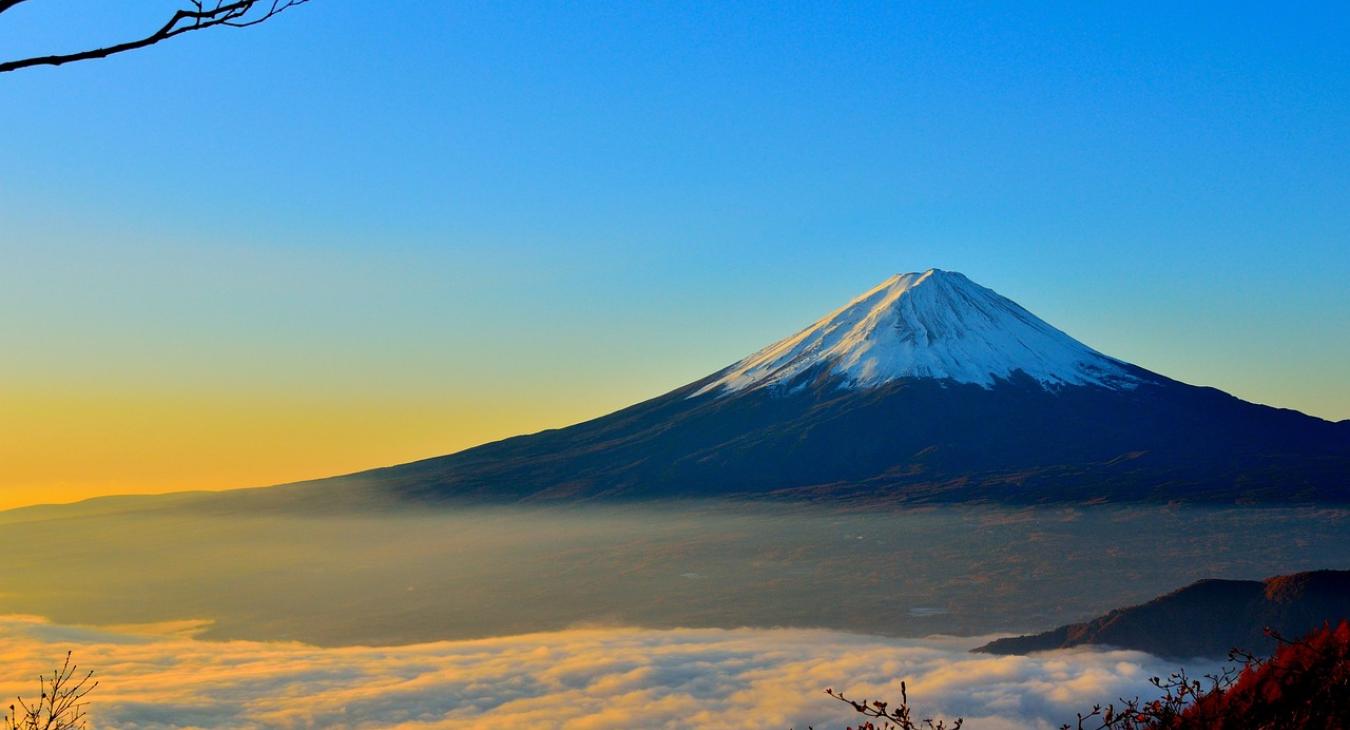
(68, 447)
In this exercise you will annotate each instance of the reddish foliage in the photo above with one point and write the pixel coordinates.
(1305, 686)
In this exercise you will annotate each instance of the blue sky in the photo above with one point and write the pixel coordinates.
(570, 207)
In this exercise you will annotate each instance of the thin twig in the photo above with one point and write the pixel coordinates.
(233, 14)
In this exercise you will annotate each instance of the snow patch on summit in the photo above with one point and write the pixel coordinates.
(935, 324)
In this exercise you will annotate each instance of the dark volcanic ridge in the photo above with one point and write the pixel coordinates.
(1205, 619)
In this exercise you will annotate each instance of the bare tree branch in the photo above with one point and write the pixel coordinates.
(60, 704)
(236, 14)
(7, 4)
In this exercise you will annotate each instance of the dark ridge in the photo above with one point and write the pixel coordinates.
(1205, 619)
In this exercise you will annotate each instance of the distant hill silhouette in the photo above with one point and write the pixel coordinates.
(1206, 618)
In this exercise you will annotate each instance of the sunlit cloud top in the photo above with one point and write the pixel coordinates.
(583, 679)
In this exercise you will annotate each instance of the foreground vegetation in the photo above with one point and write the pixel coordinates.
(60, 704)
(1305, 685)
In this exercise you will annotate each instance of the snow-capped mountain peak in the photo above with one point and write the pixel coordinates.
(935, 324)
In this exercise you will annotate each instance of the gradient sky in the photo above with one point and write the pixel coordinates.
(367, 232)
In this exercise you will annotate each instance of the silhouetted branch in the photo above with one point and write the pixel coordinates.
(60, 704)
(892, 718)
(201, 15)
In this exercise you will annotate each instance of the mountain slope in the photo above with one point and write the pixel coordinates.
(1206, 618)
(927, 387)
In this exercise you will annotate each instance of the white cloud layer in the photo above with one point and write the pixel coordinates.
(582, 679)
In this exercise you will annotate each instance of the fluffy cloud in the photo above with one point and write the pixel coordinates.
(581, 679)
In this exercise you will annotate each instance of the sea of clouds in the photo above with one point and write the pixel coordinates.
(580, 679)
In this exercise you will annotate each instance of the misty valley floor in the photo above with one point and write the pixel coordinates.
(399, 578)
(691, 615)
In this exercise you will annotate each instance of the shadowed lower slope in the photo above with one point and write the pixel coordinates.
(913, 439)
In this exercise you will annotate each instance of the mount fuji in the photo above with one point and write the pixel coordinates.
(937, 325)
(927, 387)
